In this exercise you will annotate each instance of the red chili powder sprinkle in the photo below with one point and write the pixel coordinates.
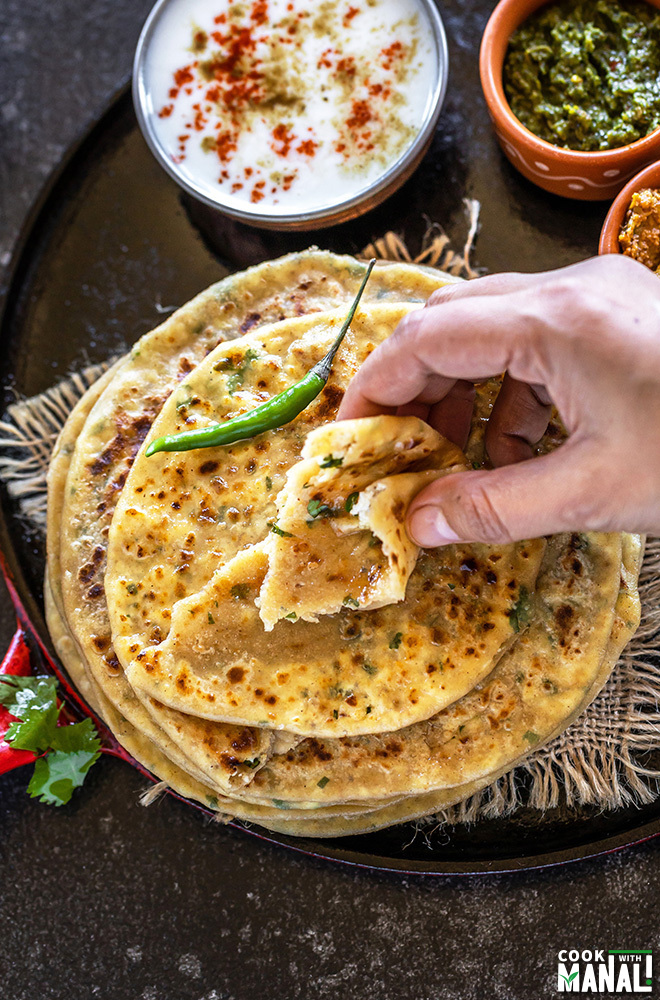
(392, 52)
(307, 147)
(360, 114)
(325, 61)
(235, 78)
(225, 145)
(350, 14)
(283, 135)
(347, 66)
(259, 12)
(183, 75)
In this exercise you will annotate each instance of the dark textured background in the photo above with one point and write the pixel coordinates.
(106, 899)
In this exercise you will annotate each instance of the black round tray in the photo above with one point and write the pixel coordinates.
(112, 246)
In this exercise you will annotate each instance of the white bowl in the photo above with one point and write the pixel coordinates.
(328, 212)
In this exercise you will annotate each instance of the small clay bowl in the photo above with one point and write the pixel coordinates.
(587, 176)
(609, 234)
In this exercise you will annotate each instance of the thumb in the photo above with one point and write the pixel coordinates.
(561, 491)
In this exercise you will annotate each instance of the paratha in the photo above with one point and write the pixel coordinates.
(323, 785)
(626, 621)
(185, 626)
(534, 688)
(107, 444)
(345, 821)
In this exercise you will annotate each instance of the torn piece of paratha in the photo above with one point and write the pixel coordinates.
(339, 538)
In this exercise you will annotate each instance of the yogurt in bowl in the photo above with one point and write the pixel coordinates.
(283, 113)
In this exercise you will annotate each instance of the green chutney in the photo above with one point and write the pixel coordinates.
(585, 74)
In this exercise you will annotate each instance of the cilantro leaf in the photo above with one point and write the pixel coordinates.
(35, 731)
(351, 501)
(17, 693)
(275, 528)
(520, 613)
(240, 370)
(396, 640)
(331, 463)
(33, 700)
(316, 508)
(74, 749)
(58, 773)
(69, 751)
(80, 737)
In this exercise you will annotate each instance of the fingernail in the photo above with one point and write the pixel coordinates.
(429, 528)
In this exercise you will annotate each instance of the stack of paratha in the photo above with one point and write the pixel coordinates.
(252, 621)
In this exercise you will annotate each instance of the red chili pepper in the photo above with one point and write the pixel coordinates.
(16, 662)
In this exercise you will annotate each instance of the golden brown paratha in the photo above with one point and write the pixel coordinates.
(181, 587)
(106, 447)
(352, 783)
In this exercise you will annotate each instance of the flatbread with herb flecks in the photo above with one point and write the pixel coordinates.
(186, 628)
(105, 448)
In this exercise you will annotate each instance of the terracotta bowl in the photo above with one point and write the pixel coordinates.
(567, 172)
(609, 235)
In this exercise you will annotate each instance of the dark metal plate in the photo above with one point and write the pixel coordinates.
(111, 246)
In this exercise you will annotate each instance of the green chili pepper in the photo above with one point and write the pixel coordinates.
(276, 412)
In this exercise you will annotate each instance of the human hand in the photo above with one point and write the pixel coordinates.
(586, 338)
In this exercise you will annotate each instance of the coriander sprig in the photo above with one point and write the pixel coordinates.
(64, 753)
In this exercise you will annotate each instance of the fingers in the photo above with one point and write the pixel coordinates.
(549, 494)
(469, 338)
(473, 330)
(367, 392)
(452, 415)
(490, 284)
(518, 421)
(611, 268)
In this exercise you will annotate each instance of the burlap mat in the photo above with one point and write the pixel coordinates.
(597, 761)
